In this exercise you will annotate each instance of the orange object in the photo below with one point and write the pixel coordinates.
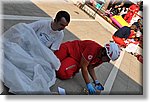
(119, 41)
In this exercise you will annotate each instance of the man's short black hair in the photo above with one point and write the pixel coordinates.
(61, 14)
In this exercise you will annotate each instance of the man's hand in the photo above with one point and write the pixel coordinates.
(90, 89)
(98, 86)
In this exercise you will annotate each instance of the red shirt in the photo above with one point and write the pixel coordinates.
(135, 8)
(86, 48)
(132, 34)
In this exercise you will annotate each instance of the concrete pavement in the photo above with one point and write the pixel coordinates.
(123, 76)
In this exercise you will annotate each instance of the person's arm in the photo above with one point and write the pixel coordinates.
(37, 24)
(84, 64)
(98, 86)
(92, 72)
(118, 6)
(123, 39)
(56, 44)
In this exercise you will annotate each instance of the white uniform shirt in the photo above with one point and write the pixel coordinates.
(47, 36)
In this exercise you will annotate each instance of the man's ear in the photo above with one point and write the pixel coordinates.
(55, 20)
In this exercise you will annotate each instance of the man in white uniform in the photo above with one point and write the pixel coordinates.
(50, 32)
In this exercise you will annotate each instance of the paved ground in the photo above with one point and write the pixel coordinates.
(123, 76)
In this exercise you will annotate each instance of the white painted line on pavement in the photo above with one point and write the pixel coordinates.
(18, 17)
(83, 20)
(112, 76)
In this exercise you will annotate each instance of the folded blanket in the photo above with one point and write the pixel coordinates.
(28, 66)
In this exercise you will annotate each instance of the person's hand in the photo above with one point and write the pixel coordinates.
(123, 39)
(98, 86)
(90, 88)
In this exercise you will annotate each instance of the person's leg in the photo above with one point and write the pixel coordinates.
(130, 17)
(62, 53)
(68, 68)
(119, 41)
(126, 16)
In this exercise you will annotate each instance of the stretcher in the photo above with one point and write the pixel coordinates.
(119, 21)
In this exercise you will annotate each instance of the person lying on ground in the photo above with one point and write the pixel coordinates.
(123, 34)
(132, 11)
